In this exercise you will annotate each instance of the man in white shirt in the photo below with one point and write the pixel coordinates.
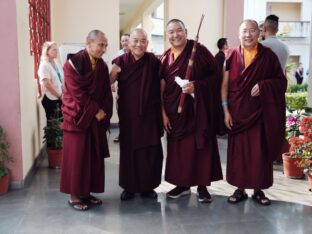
(124, 41)
(270, 28)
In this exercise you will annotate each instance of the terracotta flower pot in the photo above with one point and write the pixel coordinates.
(290, 167)
(4, 184)
(55, 158)
(310, 180)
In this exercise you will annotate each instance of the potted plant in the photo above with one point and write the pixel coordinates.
(296, 100)
(53, 136)
(4, 159)
(302, 147)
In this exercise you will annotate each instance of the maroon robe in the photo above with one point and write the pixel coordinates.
(258, 122)
(85, 143)
(140, 125)
(193, 156)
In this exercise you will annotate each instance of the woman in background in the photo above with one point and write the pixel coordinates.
(51, 78)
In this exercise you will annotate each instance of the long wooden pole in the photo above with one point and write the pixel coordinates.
(189, 66)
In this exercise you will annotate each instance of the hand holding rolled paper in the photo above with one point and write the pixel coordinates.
(186, 85)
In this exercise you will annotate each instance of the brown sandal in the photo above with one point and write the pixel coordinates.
(259, 197)
(92, 200)
(237, 196)
(78, 205)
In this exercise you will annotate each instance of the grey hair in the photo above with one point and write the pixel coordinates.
(138, 30)
(94, 34)
(250, 21)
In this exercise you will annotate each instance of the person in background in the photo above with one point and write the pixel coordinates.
(220, 56)
(261, 35)
(124, 41)
(270, 28)
(299, 74)
(51, 75)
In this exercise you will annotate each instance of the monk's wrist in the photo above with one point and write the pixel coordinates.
(224, 103)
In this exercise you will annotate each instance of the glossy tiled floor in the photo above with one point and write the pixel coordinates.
(41, 208)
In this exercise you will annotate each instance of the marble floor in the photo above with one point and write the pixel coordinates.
(41, 208)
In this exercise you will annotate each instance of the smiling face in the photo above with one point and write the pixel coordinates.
(124, 41)
(97, 46)
(138, 43)
(177, 35)
(248, 34)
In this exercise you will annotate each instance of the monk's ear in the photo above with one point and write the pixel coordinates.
(89, 41)
(186, 32)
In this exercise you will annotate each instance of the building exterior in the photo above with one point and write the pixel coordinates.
(294, 25)
(21, 113)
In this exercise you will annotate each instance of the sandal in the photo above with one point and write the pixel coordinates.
(237, 196)
(92, 200)
(259, 197)
(78, 205)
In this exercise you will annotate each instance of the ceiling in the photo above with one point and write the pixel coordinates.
(127, 10)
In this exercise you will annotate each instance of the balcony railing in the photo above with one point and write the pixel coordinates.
(299, 29)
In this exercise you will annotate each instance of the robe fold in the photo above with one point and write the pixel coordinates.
(85, 143)
(140, 123)
(193, 156)
(258, 131)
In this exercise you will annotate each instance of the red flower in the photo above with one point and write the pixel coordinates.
(306, 125)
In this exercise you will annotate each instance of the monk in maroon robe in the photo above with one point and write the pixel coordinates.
(253, 100)
(192, 152)
(139, 114)
(87, 108)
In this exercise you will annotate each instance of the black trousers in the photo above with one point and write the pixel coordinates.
(50, 107)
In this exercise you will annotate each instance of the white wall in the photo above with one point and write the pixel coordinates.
(72, 20)
(190, 14)
(256, 9)
(32, 114)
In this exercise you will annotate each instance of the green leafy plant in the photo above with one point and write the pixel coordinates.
(297, 88)
(53, 134)
(296, 101)
(5, 156)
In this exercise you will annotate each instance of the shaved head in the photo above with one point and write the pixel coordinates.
(250, 21)
(138, 31)
(138, 43)
(94, 34)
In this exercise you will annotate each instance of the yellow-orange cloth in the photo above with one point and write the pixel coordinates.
(175, 53)
(93, 62)
(249, 55)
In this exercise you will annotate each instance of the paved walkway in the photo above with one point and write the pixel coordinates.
(41, 208)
